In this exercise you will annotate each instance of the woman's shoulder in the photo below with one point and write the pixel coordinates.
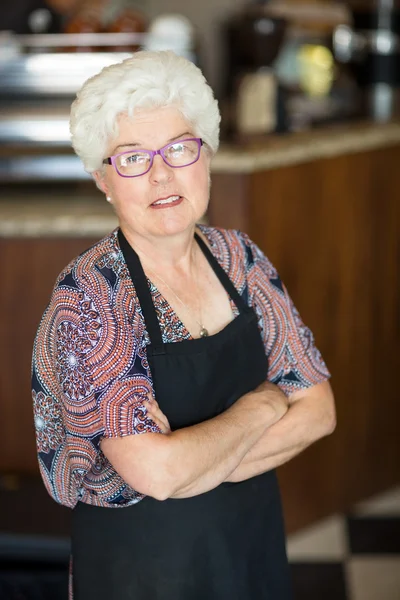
(237, 253)
(229, 239)
(232, 242)
(102, 260)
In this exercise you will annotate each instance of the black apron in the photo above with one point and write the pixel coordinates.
(226, 544)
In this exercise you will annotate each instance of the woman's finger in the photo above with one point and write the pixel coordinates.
(161, 426)
(157, 415)
(161, 417)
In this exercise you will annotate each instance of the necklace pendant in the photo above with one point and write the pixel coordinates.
(203, 332)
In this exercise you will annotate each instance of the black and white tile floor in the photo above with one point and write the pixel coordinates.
(350, 557)
(343, 557)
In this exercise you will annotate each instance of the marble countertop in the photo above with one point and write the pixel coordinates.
(282, 151)
(81, 211)
(61, 216)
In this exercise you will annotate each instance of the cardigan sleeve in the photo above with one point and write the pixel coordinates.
(89, 380)
(295, 362)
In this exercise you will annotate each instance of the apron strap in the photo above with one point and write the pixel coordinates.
(222, 275)
(139, 280)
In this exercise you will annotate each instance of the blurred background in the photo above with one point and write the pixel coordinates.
(308, 167)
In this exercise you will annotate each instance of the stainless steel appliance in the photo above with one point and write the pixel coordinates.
(37, 86)
(371, 47)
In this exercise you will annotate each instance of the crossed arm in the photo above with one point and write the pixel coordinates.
(310, 416)
(262, 430)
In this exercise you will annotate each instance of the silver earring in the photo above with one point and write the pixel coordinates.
(108, 198)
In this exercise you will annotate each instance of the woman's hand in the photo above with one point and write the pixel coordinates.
(156, 414)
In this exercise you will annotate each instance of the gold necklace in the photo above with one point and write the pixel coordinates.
(203, 331)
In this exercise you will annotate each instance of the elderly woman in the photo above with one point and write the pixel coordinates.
(171, 371)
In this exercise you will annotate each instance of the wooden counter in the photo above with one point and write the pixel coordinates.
(330, 222)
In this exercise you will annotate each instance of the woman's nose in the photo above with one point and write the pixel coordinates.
(160, 172)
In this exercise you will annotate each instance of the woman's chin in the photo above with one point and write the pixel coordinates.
(175, 228)
(174, 224)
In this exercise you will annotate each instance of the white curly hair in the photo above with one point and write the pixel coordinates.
(145, 80)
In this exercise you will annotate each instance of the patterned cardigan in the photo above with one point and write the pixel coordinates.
(90, 373)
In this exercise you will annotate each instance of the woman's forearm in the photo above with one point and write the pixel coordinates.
(307, 420)
(206, 454)
(249, 469)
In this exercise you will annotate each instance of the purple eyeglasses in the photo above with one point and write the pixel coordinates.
(134, 163)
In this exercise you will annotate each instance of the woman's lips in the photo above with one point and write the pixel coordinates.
(167, 202)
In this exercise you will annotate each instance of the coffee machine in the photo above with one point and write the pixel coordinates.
(252, 39)
(371, 48)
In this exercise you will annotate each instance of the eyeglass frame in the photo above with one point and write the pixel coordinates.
(110, 160)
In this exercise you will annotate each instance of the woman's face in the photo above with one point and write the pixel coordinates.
(135, 198)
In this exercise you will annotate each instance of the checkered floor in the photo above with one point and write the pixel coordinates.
(350, 557)
(344, 557)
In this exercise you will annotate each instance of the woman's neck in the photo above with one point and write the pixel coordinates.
(165, 254)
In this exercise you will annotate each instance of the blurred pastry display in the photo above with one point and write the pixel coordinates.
(110, 19)
(129, 20)
(86, 20)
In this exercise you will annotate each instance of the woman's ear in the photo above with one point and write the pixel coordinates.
(98, 176)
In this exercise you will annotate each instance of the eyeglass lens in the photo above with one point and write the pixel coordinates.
(177, 154)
